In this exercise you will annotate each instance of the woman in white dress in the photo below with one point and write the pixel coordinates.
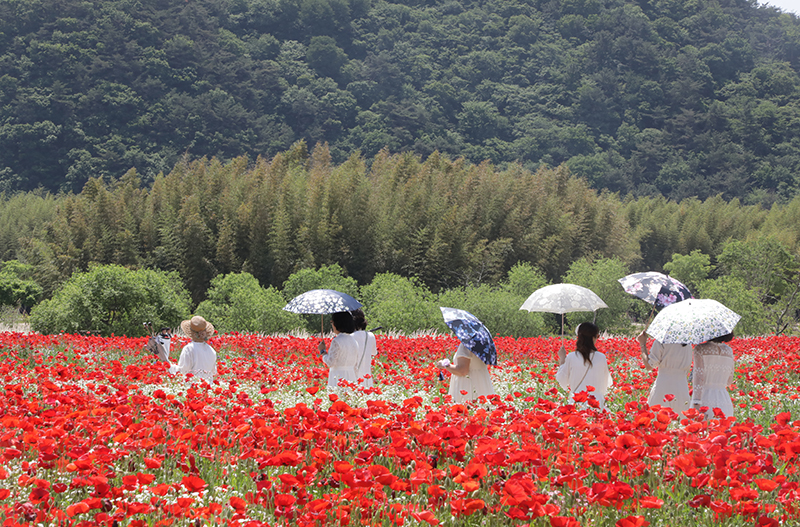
(674, 361)
(367, 349)
(342, 354)
(586, 366)
(470, 377)
(713, 373)
(197, 359)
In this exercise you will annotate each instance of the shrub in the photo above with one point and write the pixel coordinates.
(237, 302)
(499, 307)
(690, 269)
(15, 287)
(111, 299)
(402, 304)
(733, 293)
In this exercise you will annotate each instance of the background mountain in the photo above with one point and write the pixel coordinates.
(658, 97)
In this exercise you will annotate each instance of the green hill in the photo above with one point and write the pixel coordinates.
(657, 97)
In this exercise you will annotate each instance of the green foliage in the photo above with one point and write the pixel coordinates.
(763, 265)
(601, 277)
(768, 270)
(110, 299)
(16, 288)
(734, 294)
(523, 279)
(237, 302)
(397, 303)
(497, 308)
(448, 224)
(690, 269)
(325, 56)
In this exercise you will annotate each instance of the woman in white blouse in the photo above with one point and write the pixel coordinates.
(713, 373)
(197, 359)
(674, 361)
(342, 355)
(586, 366)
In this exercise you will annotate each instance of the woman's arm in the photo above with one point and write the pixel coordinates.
(607, 374)
(186, 360)
(372, 345)
(698, 378)
(562, 376)
(642, 338)
(733, 369)
(459, 369)
(332, 354)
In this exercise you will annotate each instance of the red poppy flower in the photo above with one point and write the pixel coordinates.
(150, 462)
(632, 521)
(194, 483)
(767, 485)
(651, 502)
(564, 521)
(238, 504)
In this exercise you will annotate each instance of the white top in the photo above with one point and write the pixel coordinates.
(199, 359)
(674, 361)
(367, 349)
(341, 359)
(575, 376)
(478, 382)
(713, 372)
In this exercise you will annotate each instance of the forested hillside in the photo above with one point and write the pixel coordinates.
(656, 97)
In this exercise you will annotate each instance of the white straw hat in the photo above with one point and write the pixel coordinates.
(198, 329)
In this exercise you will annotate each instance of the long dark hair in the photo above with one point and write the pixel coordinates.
(585, 343)
(359, 320)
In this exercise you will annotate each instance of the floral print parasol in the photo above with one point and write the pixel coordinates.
(654, 288)
(472, 333)
(692, 321)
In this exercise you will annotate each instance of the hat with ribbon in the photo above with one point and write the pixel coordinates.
(198, 329)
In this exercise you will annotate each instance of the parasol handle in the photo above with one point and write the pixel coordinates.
(650, 316)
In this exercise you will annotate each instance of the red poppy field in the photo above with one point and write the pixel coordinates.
(94, 432)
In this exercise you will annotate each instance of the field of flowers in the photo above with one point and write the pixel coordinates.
(94, 432)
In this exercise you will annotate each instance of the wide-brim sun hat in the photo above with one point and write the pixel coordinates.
(198, 329)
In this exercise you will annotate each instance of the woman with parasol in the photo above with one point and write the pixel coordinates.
(709, 325)
(470, 377)
(673, 360)
(342, 354)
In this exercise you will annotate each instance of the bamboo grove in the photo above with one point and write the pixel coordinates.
(447, 222)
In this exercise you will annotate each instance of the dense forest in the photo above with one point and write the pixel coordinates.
(447, 223)
(648, 98)
(400, 230)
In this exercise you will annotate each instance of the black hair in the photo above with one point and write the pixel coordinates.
(359, 320)
(343, 321)
(587, 331)
(723, 338)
